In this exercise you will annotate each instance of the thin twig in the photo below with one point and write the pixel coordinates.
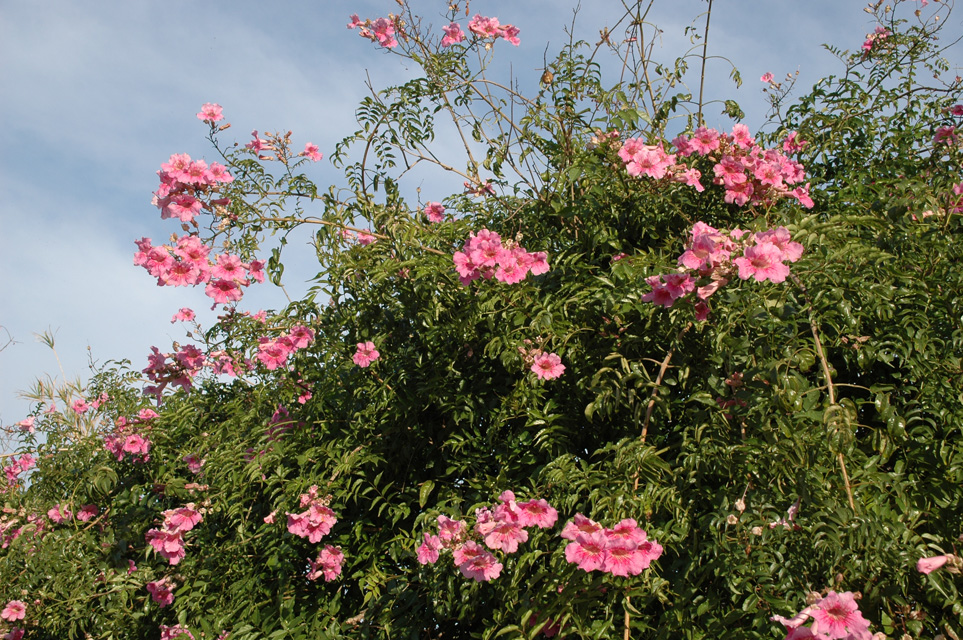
(705, 47)
(830, 390)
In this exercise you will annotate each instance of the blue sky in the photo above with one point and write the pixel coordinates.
(96, 95)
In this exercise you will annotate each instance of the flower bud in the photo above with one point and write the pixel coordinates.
(732, 519)
(740, 505)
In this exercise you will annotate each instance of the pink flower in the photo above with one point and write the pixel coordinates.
(837, 616)
(273, 354)
(453, 35)
(451, 532)
(27, 425)
(366, 354)
(588, 551)
(762, 262)
(80, 406)
(364, 238)
(484, 27)
(477, 563)
(184, 315)
(223, 291)
(506, 535)
(931, 564)
(537, 513)
(160, 592)
(435, 212)
(327, 564)
(355, 21)
(59, 514)
(181, 520)
(766, 77)
(383, 30)
(428, 551)
(15, 633)
(578, 525)
(510, 32)
(312, 151)
(87, 512)
(548, 366)
(210, 112)
(177, 632)
(15, 610)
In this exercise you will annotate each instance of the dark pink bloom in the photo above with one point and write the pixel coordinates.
(451, 532)
(59, 514)
(327, 564)
(88, 512)
(182, 519)
(160, 592)
(177, 632)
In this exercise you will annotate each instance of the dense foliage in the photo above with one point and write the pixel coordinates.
(786, 430)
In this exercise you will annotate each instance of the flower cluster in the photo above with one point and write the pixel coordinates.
(381, 30)
(547, 366)
(169, 539)
(177, 632)
(316, 522)
(130, 437)
(748, 173)
(490, 28)
(59, 514)
(9, 531)
(501, 528)
(186, 186)
(327, 564)
(184, 364)
(160, 591)
(185, 262)
(875, 40)
(709, 258)
(13, 470)
(835, 616)
(623, 550)
(435, 212)
(274, 353)
(486, 255)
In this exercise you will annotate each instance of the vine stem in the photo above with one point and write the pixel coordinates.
(380, 236)
(830, 389)
(705, 48)
(663, 367)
